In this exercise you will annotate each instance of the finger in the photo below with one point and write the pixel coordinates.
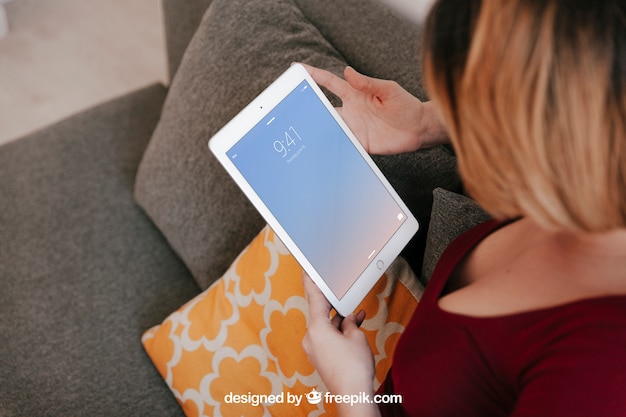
(349, 324)
(319, 307)
(329, 80)
(336, 320)
(360, 316)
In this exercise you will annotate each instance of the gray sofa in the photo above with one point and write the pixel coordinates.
(115, 217)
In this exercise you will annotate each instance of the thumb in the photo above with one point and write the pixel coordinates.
(363, 83)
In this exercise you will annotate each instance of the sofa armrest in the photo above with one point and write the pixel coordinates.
(83, 272)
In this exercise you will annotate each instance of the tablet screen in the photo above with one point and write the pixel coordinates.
(318, 186)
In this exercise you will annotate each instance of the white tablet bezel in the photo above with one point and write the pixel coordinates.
(247, 119)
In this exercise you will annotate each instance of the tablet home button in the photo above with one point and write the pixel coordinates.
(380, 264)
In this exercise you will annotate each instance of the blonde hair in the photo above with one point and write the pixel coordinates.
(535, 101)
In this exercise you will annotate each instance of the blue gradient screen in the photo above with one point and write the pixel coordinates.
(316, 183)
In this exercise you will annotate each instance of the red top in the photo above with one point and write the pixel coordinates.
(568, 360)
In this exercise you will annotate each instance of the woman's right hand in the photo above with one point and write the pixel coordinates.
(385, 118)
(339, 351)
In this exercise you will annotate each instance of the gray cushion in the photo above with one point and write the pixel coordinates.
(83, 271)
(371, 38)
(452, 215)
(181, 19)
(239, 48)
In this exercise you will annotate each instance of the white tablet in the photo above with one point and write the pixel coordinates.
(315, 185)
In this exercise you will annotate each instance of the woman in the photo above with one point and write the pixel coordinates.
(524, 315)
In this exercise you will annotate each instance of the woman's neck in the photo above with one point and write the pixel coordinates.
(601, 255)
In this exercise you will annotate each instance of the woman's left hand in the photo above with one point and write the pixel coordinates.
(339, 351)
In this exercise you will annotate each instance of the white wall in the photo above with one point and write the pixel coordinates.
(414, 10)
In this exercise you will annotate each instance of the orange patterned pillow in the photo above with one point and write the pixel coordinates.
(236, 349)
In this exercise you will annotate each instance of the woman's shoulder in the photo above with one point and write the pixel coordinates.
(519, 268)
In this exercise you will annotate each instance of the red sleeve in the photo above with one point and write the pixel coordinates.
(586, 381)
(389, 410)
